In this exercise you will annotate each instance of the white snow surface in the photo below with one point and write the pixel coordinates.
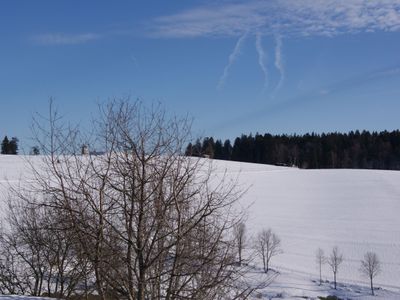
(356, 210)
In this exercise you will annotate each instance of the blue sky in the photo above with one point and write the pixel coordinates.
(289, 66)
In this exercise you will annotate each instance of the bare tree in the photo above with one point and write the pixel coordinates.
(150, 221)
(38, 258)
(240, 238)
(267, 245)
(320, 259)
(370, 267)
(334, 260)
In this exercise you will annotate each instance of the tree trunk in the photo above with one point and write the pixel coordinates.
(265, 266)
(240, 255)
(334, 279)
(98, 281)
(320, 274)
(372, 287)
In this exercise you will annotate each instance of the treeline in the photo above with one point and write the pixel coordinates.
(364, 150)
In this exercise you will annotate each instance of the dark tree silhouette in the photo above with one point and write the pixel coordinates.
(9, 147)
(361, 150)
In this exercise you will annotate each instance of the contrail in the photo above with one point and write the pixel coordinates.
(279, 61)
(261, 58)
(232, 57)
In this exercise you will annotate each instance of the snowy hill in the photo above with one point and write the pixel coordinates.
(356, 210)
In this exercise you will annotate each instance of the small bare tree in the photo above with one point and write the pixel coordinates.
(240, 237)
(334, 260)
(267, 245)
(320, 259)
(370, 267)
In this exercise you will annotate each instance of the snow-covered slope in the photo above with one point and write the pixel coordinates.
(356, 210)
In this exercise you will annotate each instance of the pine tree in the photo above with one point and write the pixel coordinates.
(207, 148)
(218, 154)
(227, 150)
(13, 146)
(189, 150)
(5, 145)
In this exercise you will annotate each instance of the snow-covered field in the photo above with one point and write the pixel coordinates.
(356, 210)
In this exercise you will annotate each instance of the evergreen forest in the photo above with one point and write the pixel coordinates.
(361, 150)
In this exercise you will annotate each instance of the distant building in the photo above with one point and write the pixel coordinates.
(85, 150)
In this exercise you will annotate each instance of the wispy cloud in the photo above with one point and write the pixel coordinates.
(279, 62)
(232, 58)
(342, 86)
(288, 17)
(279, 19)
(262, 58)
(64, 39)
(386, 73)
